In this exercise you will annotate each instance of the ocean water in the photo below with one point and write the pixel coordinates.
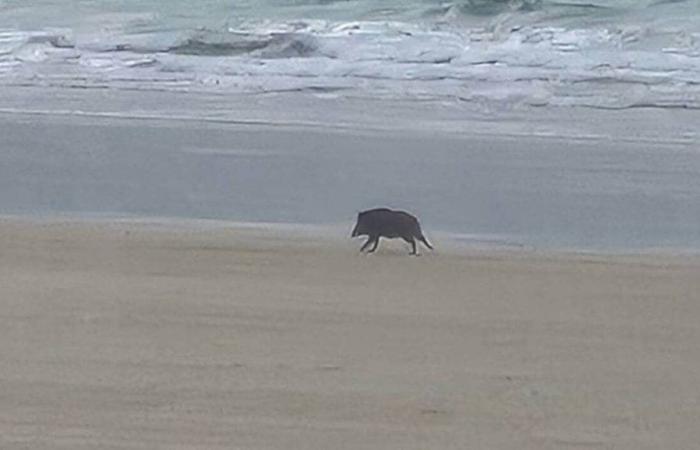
(531, 122)
(594, 53)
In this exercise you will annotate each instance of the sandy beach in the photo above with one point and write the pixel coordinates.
(125, 336)
(179, 180)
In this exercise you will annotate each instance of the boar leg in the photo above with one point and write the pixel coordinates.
(366, 244)
(411, 241)
(376, 243)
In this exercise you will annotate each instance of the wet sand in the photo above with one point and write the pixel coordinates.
(125, 336)
(576, 179)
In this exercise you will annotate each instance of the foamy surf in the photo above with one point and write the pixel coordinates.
(533, 53)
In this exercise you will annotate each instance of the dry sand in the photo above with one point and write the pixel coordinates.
(124, 337)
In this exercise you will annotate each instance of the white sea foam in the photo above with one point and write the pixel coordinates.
(531, 65)
(598, 54)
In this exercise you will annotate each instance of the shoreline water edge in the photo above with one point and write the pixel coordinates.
(528, 182)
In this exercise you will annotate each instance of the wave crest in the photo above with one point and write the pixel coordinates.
(599, 67)
(272, 45)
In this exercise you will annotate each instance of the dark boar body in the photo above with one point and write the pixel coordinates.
(384, 222)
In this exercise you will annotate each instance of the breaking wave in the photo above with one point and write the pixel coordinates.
(601, 53)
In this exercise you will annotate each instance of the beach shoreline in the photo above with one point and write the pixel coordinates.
(615, 181)
(178, 187)
(334, 236)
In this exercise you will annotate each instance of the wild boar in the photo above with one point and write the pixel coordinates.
(383, 222)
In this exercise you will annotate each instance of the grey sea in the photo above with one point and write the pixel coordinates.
(519, 123)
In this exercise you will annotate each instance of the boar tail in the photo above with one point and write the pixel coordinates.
(425, 241)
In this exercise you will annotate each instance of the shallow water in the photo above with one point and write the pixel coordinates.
(552, 191)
